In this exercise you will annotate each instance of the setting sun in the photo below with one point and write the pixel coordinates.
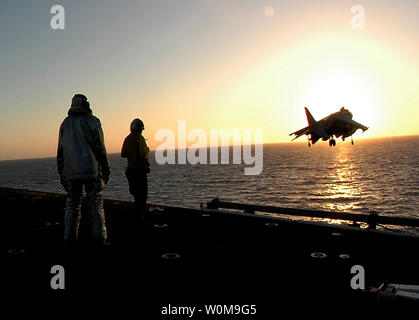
(334, 90)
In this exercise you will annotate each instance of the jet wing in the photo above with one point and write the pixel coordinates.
(300, 132)
(316, 133)
(354, 123)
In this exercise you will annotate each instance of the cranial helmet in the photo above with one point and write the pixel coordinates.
(137, 125)
(80, 100)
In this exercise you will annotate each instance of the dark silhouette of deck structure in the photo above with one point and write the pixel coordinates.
(197, 256)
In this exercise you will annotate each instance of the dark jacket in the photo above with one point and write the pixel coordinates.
(136, 151)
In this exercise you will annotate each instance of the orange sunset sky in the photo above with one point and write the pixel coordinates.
(214, 64)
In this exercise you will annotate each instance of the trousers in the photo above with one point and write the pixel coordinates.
(138, 187)
(96, 215)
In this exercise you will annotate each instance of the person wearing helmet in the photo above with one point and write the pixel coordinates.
(82, 160)
(136, 151)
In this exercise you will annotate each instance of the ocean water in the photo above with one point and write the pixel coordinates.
(379, 174)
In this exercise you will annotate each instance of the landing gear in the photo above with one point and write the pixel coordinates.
(309, 144)
(332, 142)
(352, 140)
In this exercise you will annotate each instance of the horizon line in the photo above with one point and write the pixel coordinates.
(231, 145)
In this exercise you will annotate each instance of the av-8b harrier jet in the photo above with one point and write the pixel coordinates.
(338, 124)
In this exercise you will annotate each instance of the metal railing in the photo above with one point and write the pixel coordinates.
(372, 219)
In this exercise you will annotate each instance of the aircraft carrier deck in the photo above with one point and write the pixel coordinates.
(183, 256)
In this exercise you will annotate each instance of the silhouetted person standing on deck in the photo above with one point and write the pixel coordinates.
(136, 151)
(82, 161)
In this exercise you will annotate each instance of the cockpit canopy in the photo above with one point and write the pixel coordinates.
(347, 112)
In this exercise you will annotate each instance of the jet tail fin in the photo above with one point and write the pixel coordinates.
(310, 118)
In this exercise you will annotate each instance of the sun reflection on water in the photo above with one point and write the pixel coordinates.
(342, 189)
